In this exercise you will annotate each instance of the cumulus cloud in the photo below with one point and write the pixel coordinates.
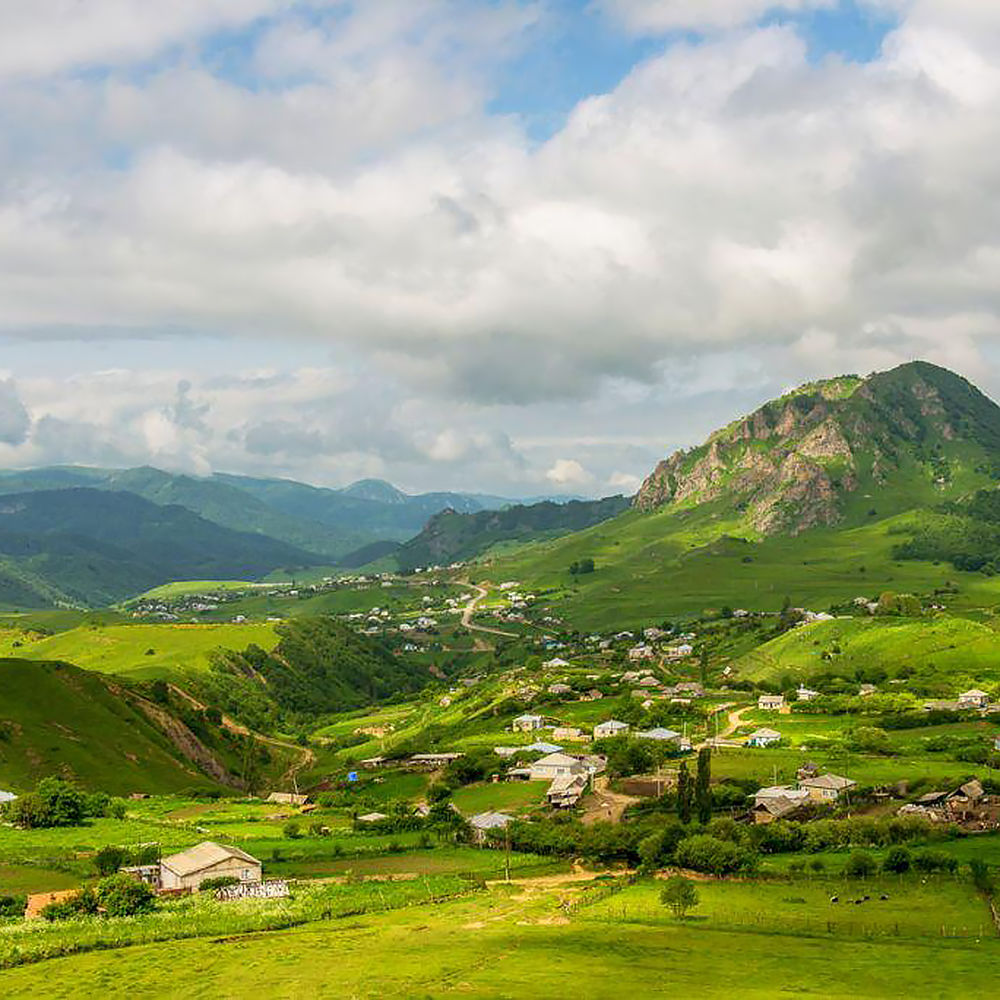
(731, 214)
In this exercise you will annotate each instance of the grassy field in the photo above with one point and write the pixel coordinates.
(142, 652)
(944, 649)
(516, 944)
(682, 563)
(60, 720)
(20, 880)
(512, 796)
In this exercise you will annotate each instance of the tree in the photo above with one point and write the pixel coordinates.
(703, 785)
(292, 831)
(898, 860)
(679, 894)
(251, 766)
(684, 793)
(703, 665)
(109, 859)
(860, 865)
(63, 802)
(122, 896)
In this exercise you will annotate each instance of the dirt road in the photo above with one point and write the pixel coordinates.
(605, 805)
(470, 610)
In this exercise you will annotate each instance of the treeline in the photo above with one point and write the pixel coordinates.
(56, 802)
(965, 533)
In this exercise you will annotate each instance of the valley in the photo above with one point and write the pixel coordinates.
(493, 756)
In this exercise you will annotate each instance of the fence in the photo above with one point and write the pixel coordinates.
(272, 889)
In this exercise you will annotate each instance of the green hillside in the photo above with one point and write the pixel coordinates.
(452, 537)
(57, 719)
(952, 652)
(141, 652)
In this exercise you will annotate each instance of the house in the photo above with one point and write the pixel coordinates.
(612, 727)
(542, 747)
(6, 796)
(188, 869)
(771, 702)
(763, 737)
(867, 689)
(373, 817)
(966, 798)
(779, 807)
(559, 689)
(556, 663)
(527, 723)
(974, 699)
(649, 682)
(637, 653)
(805, 694)
(373, 763)
(483, 823)
(659, 733)
(797, 795)
(807, 770)
(288, 798)
(556, 765)
(826, 787)
(506, 751)
(432, 761)
(692, 688)
(566, 791)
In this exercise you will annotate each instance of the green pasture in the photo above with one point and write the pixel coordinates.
(508, 796)
(142, 652)
(22, 880)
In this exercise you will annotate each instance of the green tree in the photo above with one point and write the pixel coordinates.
(684, 793)
(63, 802)
(860, 865)
(109, 859)
(703, 666)
(122, 896)
(897, 861)
(292, 831)
(679, 894)
(703, 785)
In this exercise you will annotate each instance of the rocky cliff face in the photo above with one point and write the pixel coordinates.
(789, 465)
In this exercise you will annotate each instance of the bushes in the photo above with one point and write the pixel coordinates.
(897, 861)
(932, 860)
(860, 865)
(12, 906)
(705, 853)
(122, 896)
(219, 882)
(679, 894)
(58, 803)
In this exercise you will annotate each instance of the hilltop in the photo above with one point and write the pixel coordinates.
(840, 488)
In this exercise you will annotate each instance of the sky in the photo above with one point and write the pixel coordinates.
(512, 246)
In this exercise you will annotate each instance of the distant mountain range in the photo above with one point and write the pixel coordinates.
(77, 535)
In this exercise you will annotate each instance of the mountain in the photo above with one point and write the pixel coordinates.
(452, 536)
(94, 547)
(839, 489)
(916, 433)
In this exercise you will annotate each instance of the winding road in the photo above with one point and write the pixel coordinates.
(470, 610)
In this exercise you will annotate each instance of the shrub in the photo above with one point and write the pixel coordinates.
(109, 859)
(860, 865)
(12, 906)
(931, 860)
(219, 882)
(292, 831)
(704, 853)
(82, 903)
(122, 896)
(679, 894)
(898, 860)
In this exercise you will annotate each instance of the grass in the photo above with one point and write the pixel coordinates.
(956, 650)
(60, 720)
(21, 880)
(141, 652)
(503, 945)
(511, 796)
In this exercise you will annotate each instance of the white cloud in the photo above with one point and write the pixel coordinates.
(568, 472)
(627, 482)
(671, 15)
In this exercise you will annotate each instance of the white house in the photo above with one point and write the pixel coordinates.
(565, 792)
(763, 737)
(826, 787)
(190, 868)
(527, 723)
(659, 733)
(483, 823)
(974, 699)
(610, 727)
(556, 765)
(771, 702)
(559, 688)
(806, 694)
(555, 663)
(637, 653)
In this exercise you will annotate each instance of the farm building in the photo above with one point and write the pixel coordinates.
(566, 791)
(805, 694)
(527, 723)
(610, 727)
(763, 737)
(190, 868)
(768, 810)
(288, 798)
(771, 702)
(556, 765)
(483, 823)
(974, 699)
(826, 787)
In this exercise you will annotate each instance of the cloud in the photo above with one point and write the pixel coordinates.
(15, 421)
(671, 15)
(568, 472)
